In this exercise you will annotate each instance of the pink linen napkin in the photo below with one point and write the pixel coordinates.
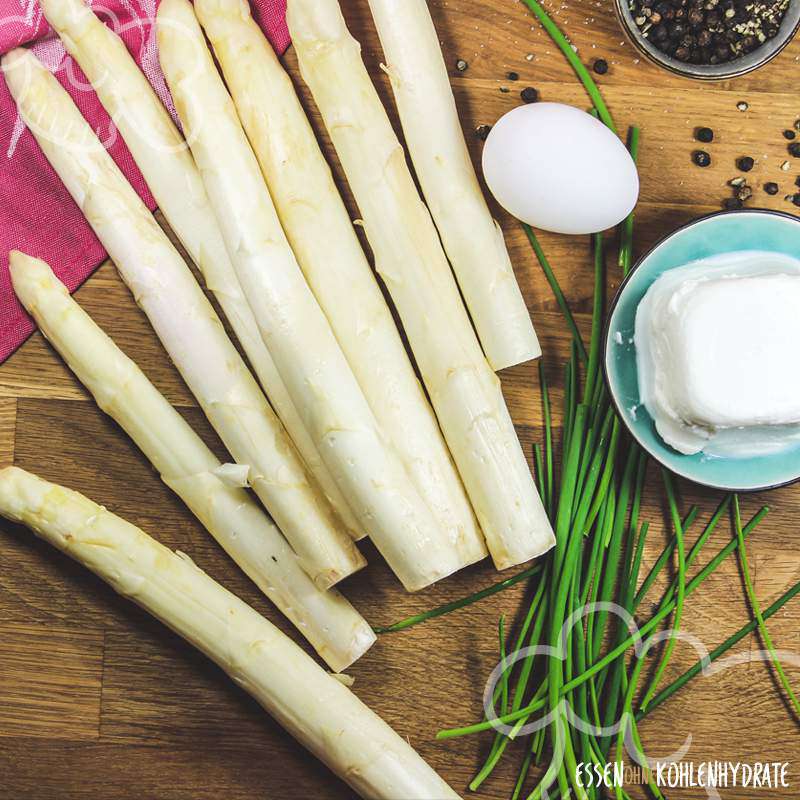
(37, 215)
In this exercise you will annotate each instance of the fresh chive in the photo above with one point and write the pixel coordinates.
(462, 602)
(718, 652)
(662, 560)
(754, 604)
(556, 289)
(548, 439)
(580, 70)
(592, 371)
(680, 593)
(626, 229)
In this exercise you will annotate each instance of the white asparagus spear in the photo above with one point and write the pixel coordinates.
(472, 239)
(293, 326)
(312, 705)
(169, 170)
(466, 394)
(335, 629)
(184, 320)
(319, 230)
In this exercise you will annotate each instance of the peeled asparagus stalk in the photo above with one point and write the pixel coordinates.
(472, 239)
(293, 326)
(184, 320)
(466, 394)
(167, 165)
(313, 706)
(322, 236)
(335, 629)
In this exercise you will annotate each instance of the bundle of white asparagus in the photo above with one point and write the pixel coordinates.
(336, 630)
(322, 236)
(464, 390)
(312, 705)
(472, 239)
(184, 320)
(170, 172)
(293, 326)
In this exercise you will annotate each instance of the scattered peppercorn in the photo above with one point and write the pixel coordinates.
(794, 149)
(461, 65)
(738, 181)
(796, 199)
(785, 166)
(742, 106)
(505, 89)
(529, 95)
(745, 163)
(482, 132)
(797, 124)
(789, 134)
(704, 135)
(513, 76)
(732, 203)
(744, 192)
(701, 158)
(771, 187)
(600, 66)
(797, 181)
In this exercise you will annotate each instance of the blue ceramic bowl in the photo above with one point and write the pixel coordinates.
(708, 236)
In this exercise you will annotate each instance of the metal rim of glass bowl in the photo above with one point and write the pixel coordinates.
(620, 412)
(712, 72)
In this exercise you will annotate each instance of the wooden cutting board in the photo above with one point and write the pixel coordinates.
(97, 700)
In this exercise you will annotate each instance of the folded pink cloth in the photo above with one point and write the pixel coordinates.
(37, 215)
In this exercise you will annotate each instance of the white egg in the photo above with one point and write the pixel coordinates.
(558, 168)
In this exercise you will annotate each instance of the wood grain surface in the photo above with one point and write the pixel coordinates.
(97, 700)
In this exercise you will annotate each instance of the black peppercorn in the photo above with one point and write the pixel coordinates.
(797, 181)
(461, 65)
(682, 54)
(701, 158)
(771, 187)
(704, 38)
(529, 95)
(666, 10)
(676, 30)
(696, 17)
(796, 199)
(789, 134)
(659, 33)
(482, 132)
(704, 135)
(794, 149)
(745, 163)
(744, 192)
(600, 66)
(732, 203)
(749, 43)
(513, 76)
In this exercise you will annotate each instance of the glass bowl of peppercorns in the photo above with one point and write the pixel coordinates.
(709, 39)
